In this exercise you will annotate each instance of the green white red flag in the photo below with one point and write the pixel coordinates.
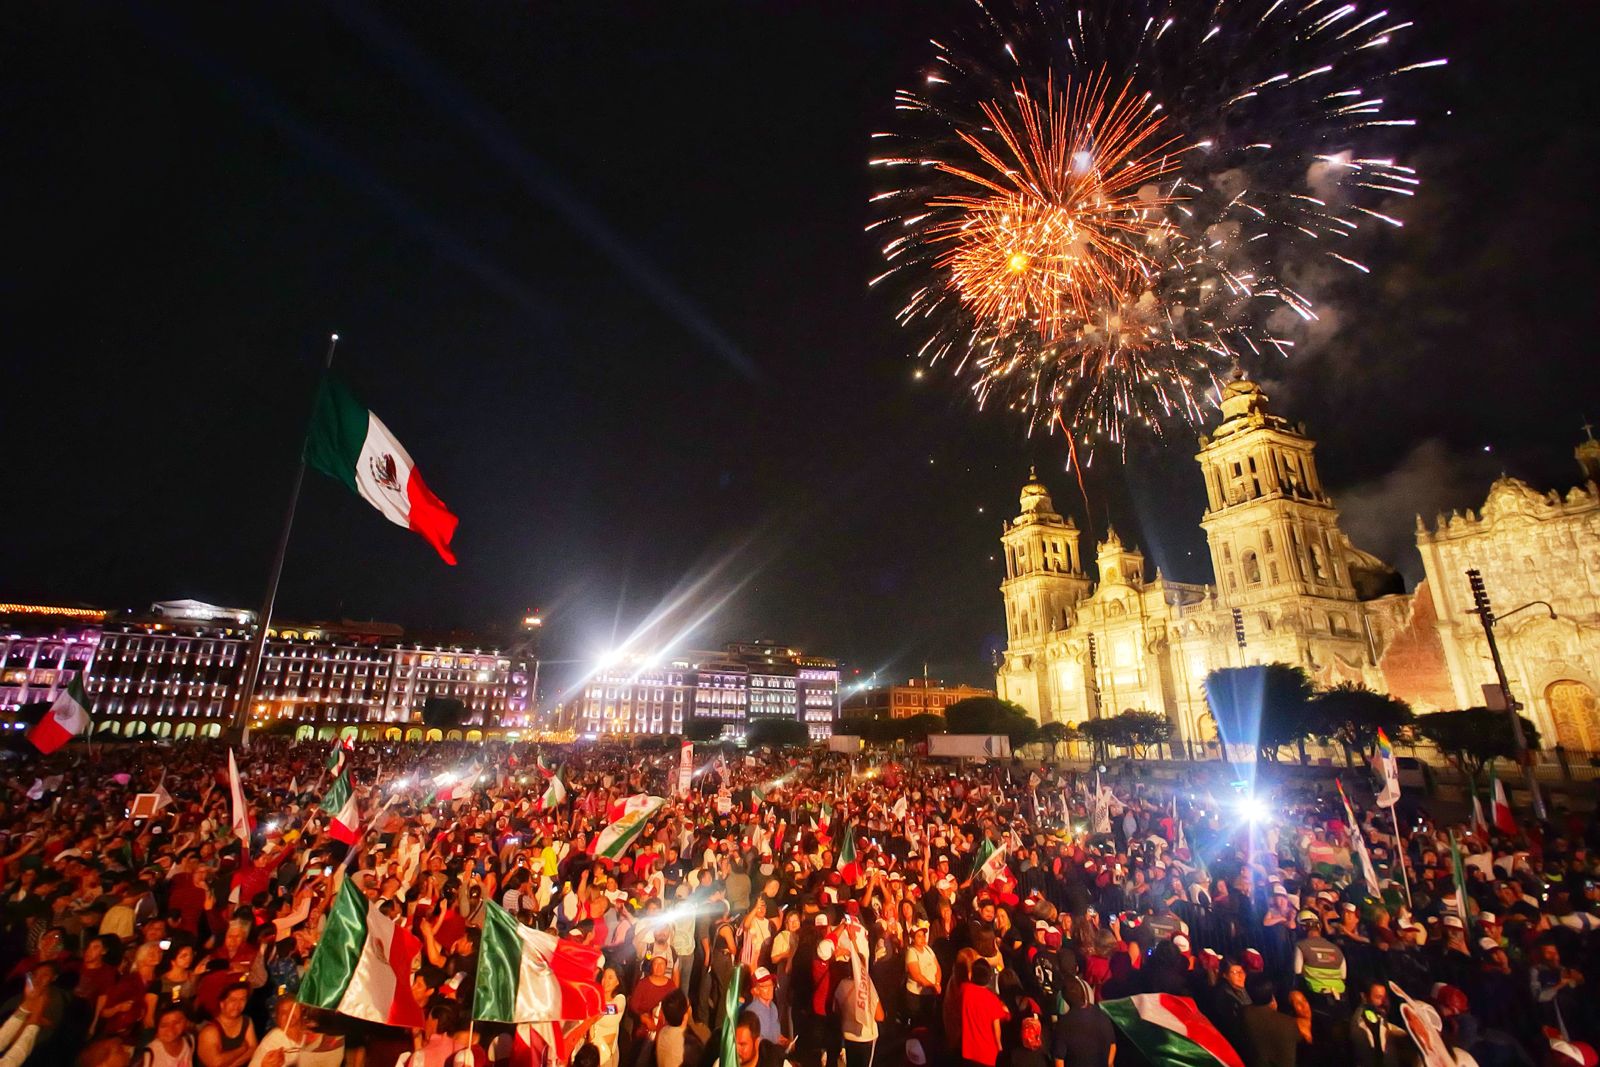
(848, 866)
(1359, 844)
(1170, 1030)
(240, 820)
(531, 976)
(555, 794)
(990, 862)
(362, 964)
(1500, 811)
(615, 839)
(343, 810)
(629, 805)
(67, 718)
(350, 444)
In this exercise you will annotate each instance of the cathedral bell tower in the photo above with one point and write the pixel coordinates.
(1273, 531)
(1044, 581)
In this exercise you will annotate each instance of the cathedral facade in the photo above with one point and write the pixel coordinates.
(1291, 588)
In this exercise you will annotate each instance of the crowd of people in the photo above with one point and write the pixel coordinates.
(784, 907)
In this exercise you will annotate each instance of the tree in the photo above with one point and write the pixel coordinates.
(702, 730)
(1353, 714)
(991, 715)
(1264, 706)
(1054, 734)
(443, 713)
(778, 733)
(1134, 731)
(1138, 730)
(918, 727)
(1475, 737)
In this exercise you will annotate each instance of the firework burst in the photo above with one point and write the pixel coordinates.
(1102, 205)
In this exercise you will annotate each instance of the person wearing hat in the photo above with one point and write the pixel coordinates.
(924, 981)
(763, 1005)
(1319, 962)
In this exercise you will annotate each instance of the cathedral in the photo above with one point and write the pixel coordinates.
(1291, 588)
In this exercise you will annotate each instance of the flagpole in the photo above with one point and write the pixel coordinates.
(258, 644)
(1400, 853)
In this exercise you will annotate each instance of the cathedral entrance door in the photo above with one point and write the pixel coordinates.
(1576, 712)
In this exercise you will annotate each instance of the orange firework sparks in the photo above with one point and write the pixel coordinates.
(1064, 209)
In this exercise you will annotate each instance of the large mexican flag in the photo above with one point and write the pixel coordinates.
(350, 444)
(531, 976)
(614, 840)
(362, 965)
(1171, 1031)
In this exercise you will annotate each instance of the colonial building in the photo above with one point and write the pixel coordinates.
(1291, 588)
(919, 696)
(176, 671)
(1530, 547)
(739, 685)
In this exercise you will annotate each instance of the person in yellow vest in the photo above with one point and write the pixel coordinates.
(1319, 962)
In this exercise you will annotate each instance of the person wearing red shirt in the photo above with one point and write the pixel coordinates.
(981, 1015)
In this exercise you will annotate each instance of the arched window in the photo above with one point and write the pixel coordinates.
(1252, 567)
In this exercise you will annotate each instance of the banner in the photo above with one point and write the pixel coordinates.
(685, 767)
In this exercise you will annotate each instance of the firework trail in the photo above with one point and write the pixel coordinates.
(1096, 207)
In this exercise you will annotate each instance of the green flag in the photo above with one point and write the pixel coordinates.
(1460, 872)
(730, 1019)
(333, 802)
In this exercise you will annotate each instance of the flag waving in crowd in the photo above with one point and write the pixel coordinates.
(67, 718)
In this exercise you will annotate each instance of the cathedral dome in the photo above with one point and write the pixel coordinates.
(1035, 497)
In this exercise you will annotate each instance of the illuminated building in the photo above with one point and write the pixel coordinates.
(1291, 588)
(919, 696)
(734, 687)
(175, 672)
(42, 648)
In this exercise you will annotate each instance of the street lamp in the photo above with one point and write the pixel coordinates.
(1486, 615)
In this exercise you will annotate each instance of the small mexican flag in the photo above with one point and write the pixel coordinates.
(989, 862)
(848, 866)
(1170, 1030)
(350, 444)
(362, 964)
(67, 718)
(555, 794)
(1500, 811)
(341, 805)
(614, 840)
(628, 805)
(531, 976)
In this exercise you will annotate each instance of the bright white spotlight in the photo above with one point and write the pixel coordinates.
(1253, 808)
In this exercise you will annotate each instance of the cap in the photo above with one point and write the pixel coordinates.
(1213, 953)
(1488, 917)
(1487, 944)
(761, 975)
(1349, 906)
(821, 919)
(1454, 922)
(1307, 915)
(1278, 890)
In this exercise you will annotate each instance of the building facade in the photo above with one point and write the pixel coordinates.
(1291, 588)
(176, 671)
(919, 696)
(734, 687)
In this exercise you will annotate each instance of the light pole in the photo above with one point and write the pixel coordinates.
(1486, 615)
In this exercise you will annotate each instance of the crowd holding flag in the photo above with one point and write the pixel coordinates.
(67, 718)
(240, 813)
(343, 810)
(616, 838)
(531, 976)
(1358, 842)
(1500, 812)
(362, 964)
(1388, 771)
(1170, 1030)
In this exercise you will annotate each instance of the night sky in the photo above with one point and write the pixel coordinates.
(601, 268)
